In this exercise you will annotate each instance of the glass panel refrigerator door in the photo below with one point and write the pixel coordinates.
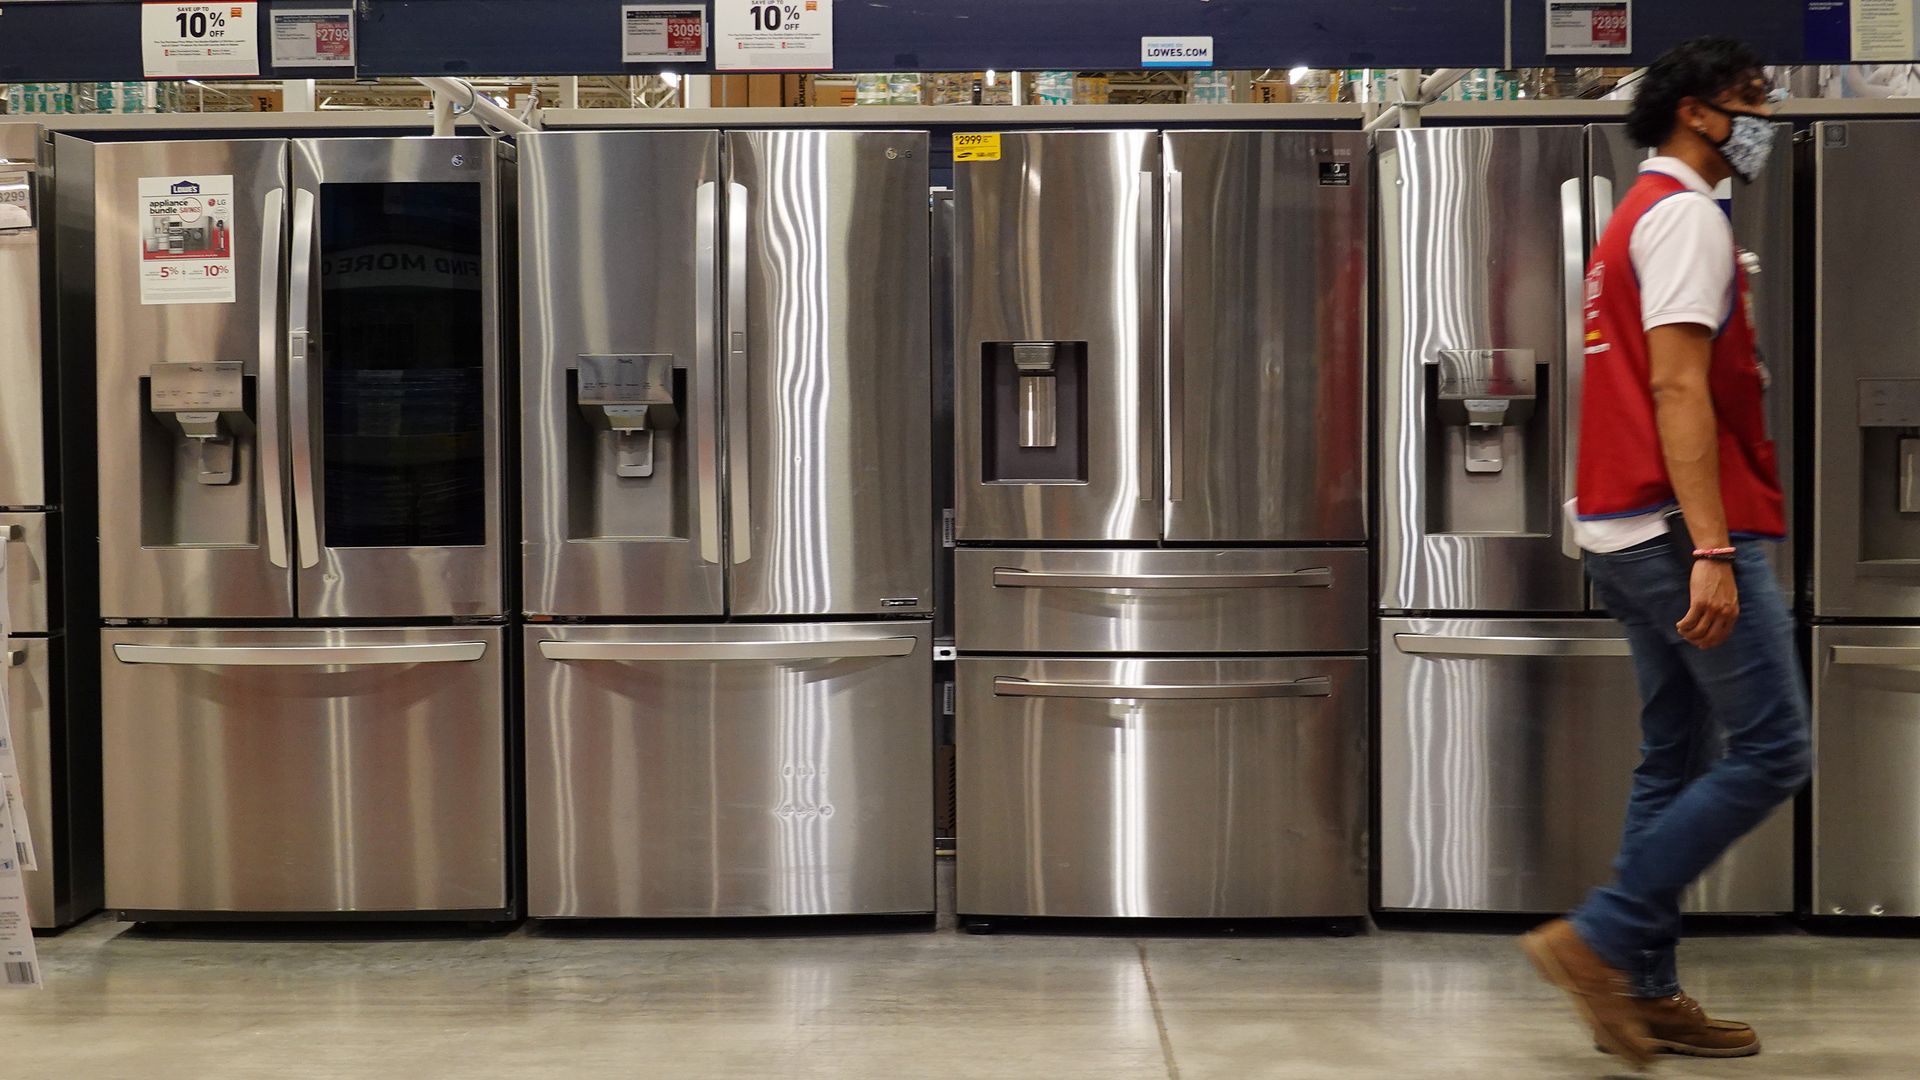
(1482, 259)
(394, 358)
(179, 246)
(1266, 366)
(619, 388)
(828, 373)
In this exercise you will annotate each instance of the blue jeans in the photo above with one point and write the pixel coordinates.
(1724, 742)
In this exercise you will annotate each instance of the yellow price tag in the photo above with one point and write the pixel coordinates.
(977, 146)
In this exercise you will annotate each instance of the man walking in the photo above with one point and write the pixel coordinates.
(1677, 491)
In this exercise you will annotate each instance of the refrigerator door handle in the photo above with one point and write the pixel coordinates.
(707, 214)
(1174, 340)
(1573, 266)
(1314, 686)
(1475, 646)
(738, 451)
(1602, 204)
(1876, 655)
(299, 388)
(1318, 577)
(273, 500)
(843, 649)
(449, 652)
(1148, 268)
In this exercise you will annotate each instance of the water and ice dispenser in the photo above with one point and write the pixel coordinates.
(632, 397)
(1036, 412)
(1488, 447)
(198, 444)
(629, 452)
(1889, 411)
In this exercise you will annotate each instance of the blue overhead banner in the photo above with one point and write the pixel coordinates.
(1828, 32)
(72, 40)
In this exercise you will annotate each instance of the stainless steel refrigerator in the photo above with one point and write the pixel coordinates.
(1866, 520)
(302, 563)
(46, 483)
(1509, 723)
(1162, 580)
(727, 552)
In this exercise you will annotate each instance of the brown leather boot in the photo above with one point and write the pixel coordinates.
(1678, 1025)
(1597, 989)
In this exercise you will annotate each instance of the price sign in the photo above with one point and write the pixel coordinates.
(1589, 27)
(773, 35)
(662, 33)
(976, 146)
(185, 41)
(313, 38)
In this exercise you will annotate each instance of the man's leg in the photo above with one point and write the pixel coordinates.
(1674, 726)
(1754, 685)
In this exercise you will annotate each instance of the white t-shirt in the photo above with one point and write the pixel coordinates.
(1683, 254)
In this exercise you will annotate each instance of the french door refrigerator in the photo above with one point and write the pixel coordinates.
(300, 366)
(1162, 579)
(1866, 521)
(1509, 724)
(727, 551)
(46, 670)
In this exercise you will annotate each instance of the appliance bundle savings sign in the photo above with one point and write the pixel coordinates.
(186, 239)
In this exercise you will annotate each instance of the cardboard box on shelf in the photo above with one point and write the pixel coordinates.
(267, 100)
(824, 90)
(1272, 92)
(730, 91)
(763, 91)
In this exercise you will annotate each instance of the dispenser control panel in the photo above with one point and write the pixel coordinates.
(215, 387)
(1486, 373)
(626, 379)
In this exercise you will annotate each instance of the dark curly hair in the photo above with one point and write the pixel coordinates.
(1703, 68)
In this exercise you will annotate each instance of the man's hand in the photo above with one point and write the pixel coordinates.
(1715, 607)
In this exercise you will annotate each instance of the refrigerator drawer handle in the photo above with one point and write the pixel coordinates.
(1877, 655)
(728, 650)
(1444, 645)
(1006, 577)
(1316, 686)
(449, 652)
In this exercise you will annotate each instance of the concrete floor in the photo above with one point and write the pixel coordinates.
(602, 1001)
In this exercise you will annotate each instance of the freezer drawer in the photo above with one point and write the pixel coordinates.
(28, 538)
(767, 769)
(1162, 601)
(305, 771)
(1163, 788)
(1506, 755)
(1866, 733)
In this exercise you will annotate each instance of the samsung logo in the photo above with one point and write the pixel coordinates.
(184, 187)
(901, 601)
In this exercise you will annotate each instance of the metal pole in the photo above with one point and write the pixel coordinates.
(471, 102)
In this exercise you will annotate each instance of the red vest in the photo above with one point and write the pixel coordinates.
(1622, 471)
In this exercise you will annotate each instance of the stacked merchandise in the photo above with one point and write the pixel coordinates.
(85, 97)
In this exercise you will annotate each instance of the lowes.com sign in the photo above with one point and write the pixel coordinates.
(1176, 52)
